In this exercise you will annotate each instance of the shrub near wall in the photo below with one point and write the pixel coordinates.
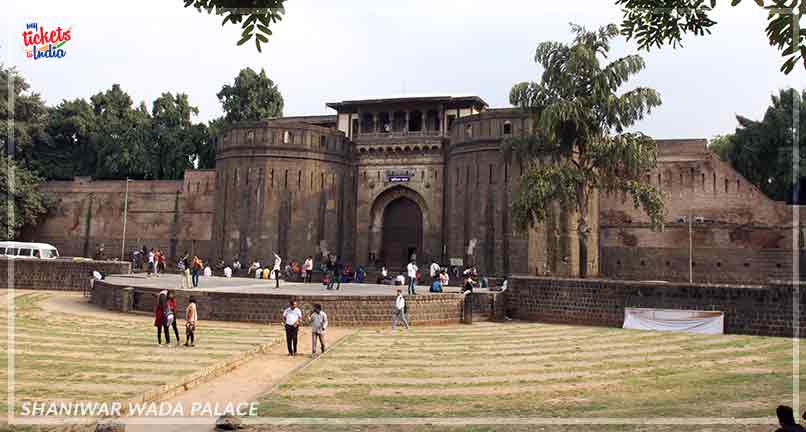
(749, 309)
(55, 274)
(268, 308)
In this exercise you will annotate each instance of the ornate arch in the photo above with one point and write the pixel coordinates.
(387, 196)
(379, 204)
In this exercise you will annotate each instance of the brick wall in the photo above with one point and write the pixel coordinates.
(59, 274)
(749, 309)
(268, 308)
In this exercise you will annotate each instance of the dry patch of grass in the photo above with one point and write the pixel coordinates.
(541, 370)
(90, 357)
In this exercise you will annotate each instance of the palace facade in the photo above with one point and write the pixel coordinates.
(381, 180)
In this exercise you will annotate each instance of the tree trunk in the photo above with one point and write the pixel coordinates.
(583, 229)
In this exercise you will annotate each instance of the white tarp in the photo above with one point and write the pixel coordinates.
(705, 322)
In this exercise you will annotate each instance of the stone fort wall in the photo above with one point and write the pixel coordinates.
(742, 236)
(174, 216)
(749, 309)
(285, 187)
(480, 182)
(54, 274)
(302, 189)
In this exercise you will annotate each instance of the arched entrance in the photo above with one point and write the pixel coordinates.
(402, 232)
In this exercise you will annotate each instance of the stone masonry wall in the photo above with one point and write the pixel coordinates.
(268, 308)
(743, 235)
(749, 309)
(58, 274)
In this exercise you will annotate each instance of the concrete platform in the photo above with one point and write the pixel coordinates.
(259, 286)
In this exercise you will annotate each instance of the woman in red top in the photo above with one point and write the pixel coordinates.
(159, 319)
(172, 307)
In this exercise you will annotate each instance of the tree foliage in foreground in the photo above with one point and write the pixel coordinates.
(579, 123)
(22, 202)
(255, 16)
(762, 150)
(660, 22)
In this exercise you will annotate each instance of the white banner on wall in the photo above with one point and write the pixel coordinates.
(705, 322)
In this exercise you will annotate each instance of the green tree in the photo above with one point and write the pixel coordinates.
(255, 16)
(579, 123)
(68, 149)
(207, 152)
(176, 141)
(660, 22)
(20, 187)
(122, 136)
(27, 119)
(723, 146)
(252, 97)
(762, 151)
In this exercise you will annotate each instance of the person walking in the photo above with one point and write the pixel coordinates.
(412, 269)
(292, 317)
(331, 271)
(318, 327)
(400, 311)
(196, 268)
(337, 272)
(191, 317)
(172, 311)
(161, 318)
(150, 262)
(275, 271)
(307, 270)
(186, 282)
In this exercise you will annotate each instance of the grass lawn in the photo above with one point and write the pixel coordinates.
(540, 370)
(106, 357)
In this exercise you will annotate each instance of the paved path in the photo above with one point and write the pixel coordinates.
(243, 385)
(247, 285)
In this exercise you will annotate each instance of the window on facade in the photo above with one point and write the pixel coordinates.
(507, 128)
(451, 119)
(468, 131)
(322, 141)
(287, 137)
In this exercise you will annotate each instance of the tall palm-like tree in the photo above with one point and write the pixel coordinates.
(579, 123)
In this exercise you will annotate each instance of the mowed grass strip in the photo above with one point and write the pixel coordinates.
(540, 370)
(104, 357)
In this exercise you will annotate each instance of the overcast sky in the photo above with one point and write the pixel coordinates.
(351, 49)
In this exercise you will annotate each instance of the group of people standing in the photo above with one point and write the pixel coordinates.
(165, 317)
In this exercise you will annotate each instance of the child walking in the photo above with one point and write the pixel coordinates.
(190, 322)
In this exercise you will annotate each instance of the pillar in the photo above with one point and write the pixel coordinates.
(406, 126)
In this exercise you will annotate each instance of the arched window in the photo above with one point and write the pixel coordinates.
(507, 128)
(287, 137)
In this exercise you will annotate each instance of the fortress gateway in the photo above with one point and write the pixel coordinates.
(383, 179)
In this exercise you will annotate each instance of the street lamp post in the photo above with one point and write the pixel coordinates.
(125, 216)
(690, 219)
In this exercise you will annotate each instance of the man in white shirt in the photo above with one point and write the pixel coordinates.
(292, 318)
(307, 270)
(227, 272)
(400, 311)
(275, 271)
(411, 269)
(434, 271)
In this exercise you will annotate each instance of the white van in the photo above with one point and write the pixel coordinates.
(28, 250)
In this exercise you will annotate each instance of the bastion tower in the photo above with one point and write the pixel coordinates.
(286, 186)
